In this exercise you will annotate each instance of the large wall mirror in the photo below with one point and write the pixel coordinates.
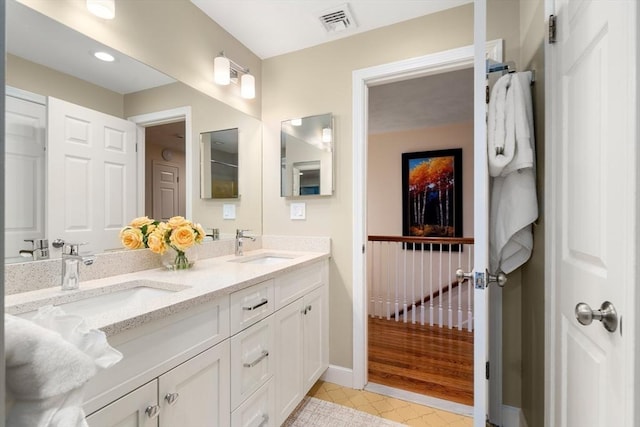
(40, 61)
(307, 156)
(219, 164)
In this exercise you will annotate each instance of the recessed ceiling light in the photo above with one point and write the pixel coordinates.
(105, 9)
(104, 56)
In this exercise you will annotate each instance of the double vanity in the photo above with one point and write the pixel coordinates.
(234, 341)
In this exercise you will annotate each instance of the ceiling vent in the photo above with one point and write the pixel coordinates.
(337, 19)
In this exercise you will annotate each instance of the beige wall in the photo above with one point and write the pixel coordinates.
(318, 80)
(27, 75)
(207, 114)
(532, 32)
(384, 165)
(174, 37)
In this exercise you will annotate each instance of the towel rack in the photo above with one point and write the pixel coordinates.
(505, 67)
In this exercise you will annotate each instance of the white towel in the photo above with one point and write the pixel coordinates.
(514, 203)
(47, 368)
(499, 154)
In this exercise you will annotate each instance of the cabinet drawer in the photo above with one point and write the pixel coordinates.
(258, 410)
(250, 305)
(252, 359)
(129, 410)
(293, 285)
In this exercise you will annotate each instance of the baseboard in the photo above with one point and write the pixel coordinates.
(338, 375)
(513, 417)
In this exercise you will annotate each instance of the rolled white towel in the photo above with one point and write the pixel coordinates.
(500, 149)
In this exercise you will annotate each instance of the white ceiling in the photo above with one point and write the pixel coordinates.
(274, 27)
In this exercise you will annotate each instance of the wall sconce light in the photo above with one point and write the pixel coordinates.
(226, 71)
(105, 9)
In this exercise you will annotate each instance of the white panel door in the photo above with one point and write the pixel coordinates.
(130, 410)
(91, 175)
(316, 336)
(592, 211)
(166, 191)
(196, 393)
(25, 169)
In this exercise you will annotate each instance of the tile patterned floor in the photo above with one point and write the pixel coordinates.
(389, 408)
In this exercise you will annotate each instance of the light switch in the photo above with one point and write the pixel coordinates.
(298, 211)
(228, 211)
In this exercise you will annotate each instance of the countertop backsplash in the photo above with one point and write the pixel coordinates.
(31, 276)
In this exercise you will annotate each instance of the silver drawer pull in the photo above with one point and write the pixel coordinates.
(264, 354)
(262, 302)
(171, 398)
(152, 411)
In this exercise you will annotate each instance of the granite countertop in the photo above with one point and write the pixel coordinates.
(207, 280)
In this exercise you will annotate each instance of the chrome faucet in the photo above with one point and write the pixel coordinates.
(39, 249)
(71, 260)
(239, 236)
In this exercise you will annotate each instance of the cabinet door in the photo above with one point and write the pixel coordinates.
(196, 393)
(130, 410)
(316, 336)
(257, 410)
(288, 359)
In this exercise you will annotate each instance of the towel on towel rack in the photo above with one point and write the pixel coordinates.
(48, 361)
(514, 204)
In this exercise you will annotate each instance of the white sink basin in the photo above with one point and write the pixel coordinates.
(117, 299)
(263, 259)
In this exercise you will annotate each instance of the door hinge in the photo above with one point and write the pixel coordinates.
(486, 370)
(136, 147)
(363, 248)
(486, 94)
(552, 29)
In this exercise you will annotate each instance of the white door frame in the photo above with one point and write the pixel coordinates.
(159, 118)
(449, 60)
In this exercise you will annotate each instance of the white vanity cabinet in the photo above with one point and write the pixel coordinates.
(302, 340)
(244, 359)
(194, 393)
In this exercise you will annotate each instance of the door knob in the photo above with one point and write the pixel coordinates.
(607, 315)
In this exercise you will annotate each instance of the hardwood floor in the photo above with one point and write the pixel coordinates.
(433, 361)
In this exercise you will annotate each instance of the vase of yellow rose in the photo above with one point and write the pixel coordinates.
(175, 240)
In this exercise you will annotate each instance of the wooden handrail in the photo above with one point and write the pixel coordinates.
(426, 240)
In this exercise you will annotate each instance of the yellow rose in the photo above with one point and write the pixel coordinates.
(176, 222)
(150, 228)
(141, 222)
(183, 237)
(156, 241)
(200, 232)
(131, 238)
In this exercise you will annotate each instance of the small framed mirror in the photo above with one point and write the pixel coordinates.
(219, 164)
(306, 163)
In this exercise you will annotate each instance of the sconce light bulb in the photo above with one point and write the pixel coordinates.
(248, 86)
(222, 70)
(105, 9)
(326, 135)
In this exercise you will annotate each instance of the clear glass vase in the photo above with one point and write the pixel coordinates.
(174, 259)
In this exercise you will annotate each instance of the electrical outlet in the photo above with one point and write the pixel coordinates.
(228, 211)
(298, 211)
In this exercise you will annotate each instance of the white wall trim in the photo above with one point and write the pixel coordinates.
(158, 118)
(338, 375)
(449, 60)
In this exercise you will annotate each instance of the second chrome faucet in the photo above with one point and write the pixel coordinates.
(239, 237)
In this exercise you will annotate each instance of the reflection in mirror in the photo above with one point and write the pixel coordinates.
(219, 164)
(42, 60)
(307, 156)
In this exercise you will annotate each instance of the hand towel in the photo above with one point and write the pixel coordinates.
(47, 368)
(514, 204)
(499, 153)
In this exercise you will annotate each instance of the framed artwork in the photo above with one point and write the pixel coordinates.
(432, 194)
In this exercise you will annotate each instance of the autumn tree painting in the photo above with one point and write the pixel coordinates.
(432, 193)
